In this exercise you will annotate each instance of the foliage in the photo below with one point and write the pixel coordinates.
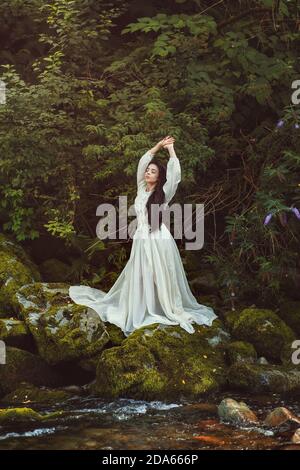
(91, 85)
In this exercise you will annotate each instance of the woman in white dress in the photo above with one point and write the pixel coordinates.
(152, 287)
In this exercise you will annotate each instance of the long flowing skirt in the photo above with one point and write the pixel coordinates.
(152, 288)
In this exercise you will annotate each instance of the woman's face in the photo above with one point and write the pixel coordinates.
(151, 173)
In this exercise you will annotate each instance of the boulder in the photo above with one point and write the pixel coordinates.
(296, 437)
(28, 393)
(161, 361)
(116, 337)
(10, 415)
(264, 378)
(62, 330)
(281, 416)
(241, 351)
(265, 330)
(235, 412)
(15, 333)
(16, 269)
(23, 366)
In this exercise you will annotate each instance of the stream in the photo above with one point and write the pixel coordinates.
(91, 423)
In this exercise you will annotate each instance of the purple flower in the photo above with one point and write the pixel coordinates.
(296, 126)
(280, 123)
(296, 212)
(268, 218)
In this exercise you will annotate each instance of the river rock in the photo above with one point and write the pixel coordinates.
(26, 414)
(281, 416)
(296, 437)
(262, 360)
(241, 351)
(161, 361)
(62, 330)
(265, 330)
(264, 378)
(23, 366)
(235, 412)
(28, 393)
(15, 333)
(16, 269)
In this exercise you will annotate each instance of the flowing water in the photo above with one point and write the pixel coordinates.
(92, 423)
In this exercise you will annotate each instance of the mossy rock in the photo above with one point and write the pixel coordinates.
(116, 338)
(8, 245)
(237, 413)
(265, 330)
(54, 270)
(14, 333)
(264, 378)
(230, 317)
(16, 269)
(289, 312)
(241, 351)
(27, 392)
(23, 366)
(161, 362)
(62, 330)
(116, 335)
(8, 415)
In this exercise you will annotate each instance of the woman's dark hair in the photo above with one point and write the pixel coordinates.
(158, 195)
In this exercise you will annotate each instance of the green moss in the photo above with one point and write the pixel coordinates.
(115, 338)
(26, 393)
(16, 269)
(22, 366)
(231, 317)
(8, 245)
(26, 414)
(264, 378)
(241, 351)
(116, 335)
(63, 331)
(12, 328)
(265, 330)
(160, 361)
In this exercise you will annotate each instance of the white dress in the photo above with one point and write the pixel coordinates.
(152, 287)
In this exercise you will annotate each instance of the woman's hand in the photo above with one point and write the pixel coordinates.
(166, 142)
(169, 142)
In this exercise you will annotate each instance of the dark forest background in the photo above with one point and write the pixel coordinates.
(91, 85)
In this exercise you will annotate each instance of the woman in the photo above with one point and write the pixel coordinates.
(152, 287)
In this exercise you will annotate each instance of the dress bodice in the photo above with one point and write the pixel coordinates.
(140, 205)
(173, 177)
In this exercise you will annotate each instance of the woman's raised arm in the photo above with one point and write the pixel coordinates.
(173, 175)
(143, 163)
(147, 157)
